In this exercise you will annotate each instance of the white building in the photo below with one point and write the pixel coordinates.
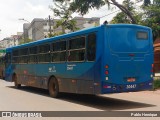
(10, 41)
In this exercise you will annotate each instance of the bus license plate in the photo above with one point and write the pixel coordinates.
(131, 86)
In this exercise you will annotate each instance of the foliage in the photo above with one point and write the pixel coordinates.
(121, 17)
(83, 6)
(156, 84)
(55, 34)
(148, 15)
(62, 10)
(23, 41)
(151, 17)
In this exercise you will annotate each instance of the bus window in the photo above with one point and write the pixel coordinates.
(91, 47)
(59, 51)
(16, 58)
(76, 49)
(59, 46)
(15, 53)
(142, 35)
(58, 56)
(33, 55)
(44, 48)
(33, 50)
(24, 51)
(23, 55)
(8, 59)
(44, 53)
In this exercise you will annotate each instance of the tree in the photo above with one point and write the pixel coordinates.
(151, 17)
(121, 17)
(83, 6)
(62, 10)
(55, 34)
(27, 40)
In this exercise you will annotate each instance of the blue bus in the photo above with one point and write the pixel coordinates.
(100, 60)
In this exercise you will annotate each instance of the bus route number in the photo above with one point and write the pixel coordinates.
(131, 86)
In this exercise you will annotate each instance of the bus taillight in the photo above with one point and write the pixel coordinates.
(152, 70)
(106, 66)
(107, 72)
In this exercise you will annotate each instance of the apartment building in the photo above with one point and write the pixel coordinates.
(40, 28)
(11, 41)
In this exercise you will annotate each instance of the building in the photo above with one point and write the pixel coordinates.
(40, 28)
(25, 32)
(157, 56)
(11, 41)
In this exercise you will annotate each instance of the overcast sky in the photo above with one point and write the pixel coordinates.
(12, 10)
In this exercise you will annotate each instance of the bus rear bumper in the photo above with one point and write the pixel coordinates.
(119, 88)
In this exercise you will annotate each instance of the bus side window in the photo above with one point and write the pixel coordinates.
(91, 47)
(59, 51)
(7, 59)
(23, 55)
(44, 53)
(33, 55)
(76, 49)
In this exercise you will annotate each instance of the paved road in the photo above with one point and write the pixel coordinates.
(33, 99)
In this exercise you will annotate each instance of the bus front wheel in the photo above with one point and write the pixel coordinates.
(16, 84)
(53, 88)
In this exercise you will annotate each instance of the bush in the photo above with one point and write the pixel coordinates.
(156, 84)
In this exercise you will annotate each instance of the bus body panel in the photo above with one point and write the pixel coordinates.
(130, 59)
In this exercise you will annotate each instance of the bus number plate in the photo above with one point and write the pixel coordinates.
(131, 86)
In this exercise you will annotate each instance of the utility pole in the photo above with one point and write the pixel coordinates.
(50, 25)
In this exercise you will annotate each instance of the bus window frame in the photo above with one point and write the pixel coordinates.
(95, 46)
(69, 50)
(33, 55)
(52, 52)
(44, 53)
(20, 55)
(6, 59)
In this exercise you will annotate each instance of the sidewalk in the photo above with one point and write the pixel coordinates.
(157, 91)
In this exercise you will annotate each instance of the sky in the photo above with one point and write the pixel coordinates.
(13, 10)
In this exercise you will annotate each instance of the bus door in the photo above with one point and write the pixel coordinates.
(130, 56)
(8, 67)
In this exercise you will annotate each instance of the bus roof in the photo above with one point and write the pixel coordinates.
(46, 40)
(80, 32)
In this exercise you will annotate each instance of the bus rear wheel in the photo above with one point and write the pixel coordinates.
(16, 84)
(53, 88)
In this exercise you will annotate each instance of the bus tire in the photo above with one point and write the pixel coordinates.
(53, 87)
(16, 84)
